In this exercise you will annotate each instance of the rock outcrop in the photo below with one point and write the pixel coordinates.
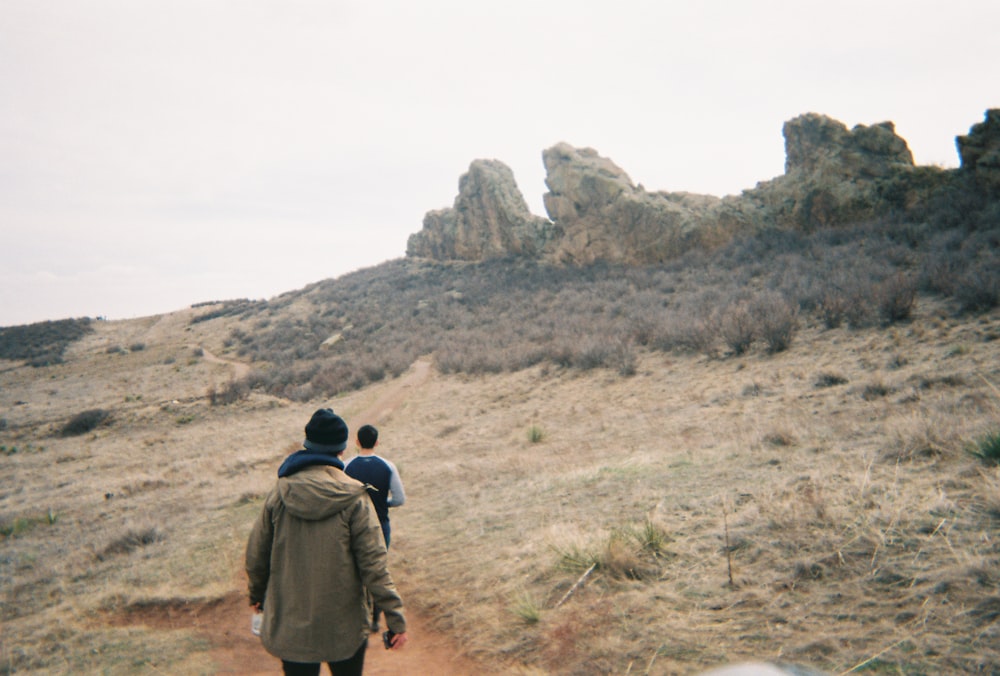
(979, 151)
(818, 145)
(599, 214)
(833, 175)
(489, 219)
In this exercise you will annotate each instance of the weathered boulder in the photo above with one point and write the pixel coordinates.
(816, 144)
(599, 214)
(489, 219)
(979, 151)
(832, 174)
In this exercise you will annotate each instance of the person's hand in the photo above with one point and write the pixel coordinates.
(399, 640)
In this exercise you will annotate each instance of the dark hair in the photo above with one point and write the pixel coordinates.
(367, 436)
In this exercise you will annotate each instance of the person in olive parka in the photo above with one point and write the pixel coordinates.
(313, 551)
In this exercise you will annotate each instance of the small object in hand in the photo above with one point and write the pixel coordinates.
(255, 622)
(387, 638)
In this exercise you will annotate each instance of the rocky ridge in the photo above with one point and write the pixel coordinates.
(833, 175)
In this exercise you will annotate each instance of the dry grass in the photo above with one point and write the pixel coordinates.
(861, 531)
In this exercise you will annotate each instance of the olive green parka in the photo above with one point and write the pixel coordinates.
(312, 552)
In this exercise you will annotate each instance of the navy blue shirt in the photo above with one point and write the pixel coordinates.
(386, 488)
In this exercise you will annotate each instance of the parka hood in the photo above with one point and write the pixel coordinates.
(310, 494)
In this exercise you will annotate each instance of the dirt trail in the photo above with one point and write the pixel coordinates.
(226, 623)
(240, 369)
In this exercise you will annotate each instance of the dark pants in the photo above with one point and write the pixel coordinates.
(349, 667)
(376, 611)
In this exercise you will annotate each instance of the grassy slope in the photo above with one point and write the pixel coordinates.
(858, 525)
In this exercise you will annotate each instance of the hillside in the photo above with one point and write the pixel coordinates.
(764, 451)
(780, 444)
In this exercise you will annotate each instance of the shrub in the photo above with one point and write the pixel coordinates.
(736, 325)
(895, 298)
(777, 322)
(833, 308)
(978, 290)
(233, 391)
(875, 391)
(129, 542)
(535, 434)
(85, 421)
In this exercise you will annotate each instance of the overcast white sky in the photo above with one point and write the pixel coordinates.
(155, 154)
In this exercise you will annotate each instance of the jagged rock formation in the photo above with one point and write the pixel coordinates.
(599, 214)
(833, 175)
(816, 144)
(489, 219)
(979, 151)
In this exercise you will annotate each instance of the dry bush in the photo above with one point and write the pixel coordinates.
(737, 327)
(233, 391)
(85, 421)
(895, 298)
(776, 320)
(978, 290)
(830, 380)
(129, 542)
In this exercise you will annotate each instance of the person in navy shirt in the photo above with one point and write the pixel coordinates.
(382, 480)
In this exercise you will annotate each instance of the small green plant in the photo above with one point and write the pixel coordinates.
(527, 608)
(535, 434)
(987, 448)
(957, 350)
(652, 538)
(25, 524)
(577, 558)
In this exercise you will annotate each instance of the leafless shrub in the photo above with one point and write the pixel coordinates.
(895, 298)
(231, 392)
(833, 308)
(737, 327)
(978, 290)
(776, 320)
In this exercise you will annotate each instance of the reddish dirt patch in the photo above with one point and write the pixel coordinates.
(225, 623)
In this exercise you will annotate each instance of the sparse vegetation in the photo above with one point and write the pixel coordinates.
(507, 315)
(129, 542)
(43, 343)
(570, 451)
(987, 448)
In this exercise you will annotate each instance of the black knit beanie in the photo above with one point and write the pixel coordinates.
(326, 432)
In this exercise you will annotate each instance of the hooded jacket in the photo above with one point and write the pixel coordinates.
(314, 549)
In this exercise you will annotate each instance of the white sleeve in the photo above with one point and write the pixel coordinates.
(396, 494)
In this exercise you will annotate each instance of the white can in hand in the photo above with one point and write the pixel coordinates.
(255, 622)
